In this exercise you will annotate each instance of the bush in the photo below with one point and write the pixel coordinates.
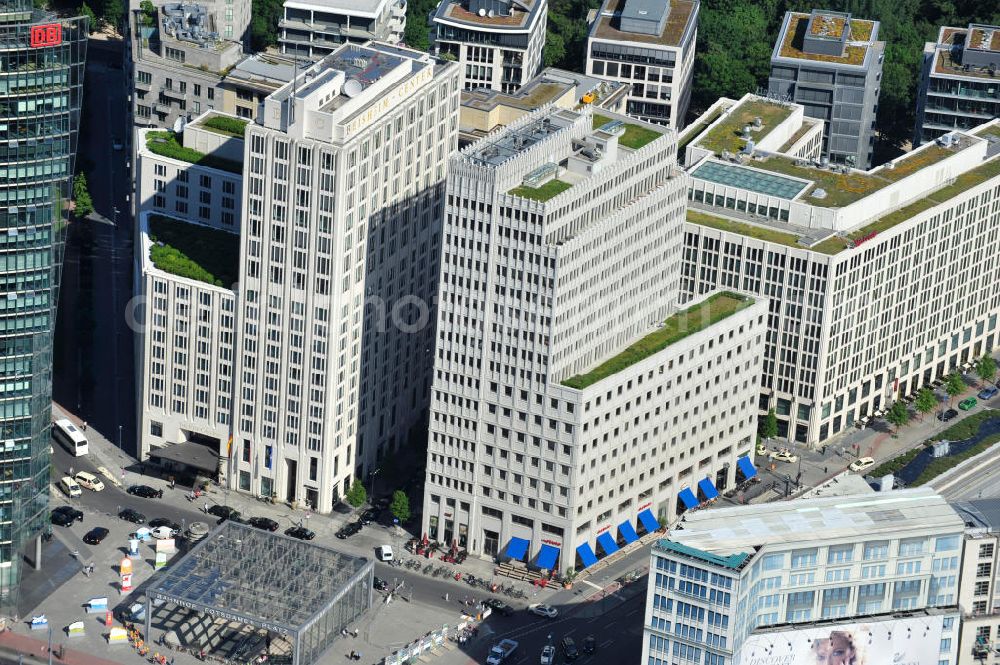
(967, 428)
(81, 196)
(194, 251)
(897, 463)
(356, 496)
(942, 464)
(226, 125)
(400, 506)
(166, 144)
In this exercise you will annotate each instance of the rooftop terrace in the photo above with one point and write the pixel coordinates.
(727, 135)
(635, 136)
(607, 27)
(456, 10)
(166, 144)
(854, 53)
(678, 326)
(194, 251)
(945, 61)
(224, 125)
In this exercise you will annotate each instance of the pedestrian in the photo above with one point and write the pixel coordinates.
(71, 471)
(206, 507)
(824, 469)
(84, 425)
(446, 598)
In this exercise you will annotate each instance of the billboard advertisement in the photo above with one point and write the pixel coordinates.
(912, 640)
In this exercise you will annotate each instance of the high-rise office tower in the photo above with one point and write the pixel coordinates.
(41, 69)
(831, 64)
(342, 195)
(572, 403)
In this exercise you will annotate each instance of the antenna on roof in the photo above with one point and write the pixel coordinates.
(291, 98)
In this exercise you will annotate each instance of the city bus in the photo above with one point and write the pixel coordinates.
(70, 437)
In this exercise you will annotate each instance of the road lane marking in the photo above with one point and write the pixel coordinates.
(589, 583)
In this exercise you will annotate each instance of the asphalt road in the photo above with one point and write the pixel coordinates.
(96, 380)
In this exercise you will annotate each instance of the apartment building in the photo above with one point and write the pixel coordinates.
(831, 64)
(43, 64)
(498, 44)
(314, 28)
(649, 46)
(485, 110)
(979, 584)
(568, 413)
(880, 282)
(179, 58)
(342, 199)
(873, 576)
(959, 85)
(252, 79)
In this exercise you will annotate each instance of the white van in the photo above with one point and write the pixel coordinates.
(383, 553)
(89, 481)
(69, 486)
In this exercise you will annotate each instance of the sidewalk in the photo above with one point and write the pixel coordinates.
(32, 647)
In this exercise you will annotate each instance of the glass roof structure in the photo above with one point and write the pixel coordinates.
(298, 589)
(755, 180)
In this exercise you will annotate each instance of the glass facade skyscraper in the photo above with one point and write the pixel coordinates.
(42, 61)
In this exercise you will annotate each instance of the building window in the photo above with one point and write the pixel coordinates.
(175, 54)
(155, 428)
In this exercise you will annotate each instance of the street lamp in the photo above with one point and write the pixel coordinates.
(371, 476)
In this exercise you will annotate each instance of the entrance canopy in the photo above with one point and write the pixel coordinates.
(195, 455)
(297, 589)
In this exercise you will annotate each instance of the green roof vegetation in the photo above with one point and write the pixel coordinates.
(796, 136)
(680, 325)
(544, 193)
(634, 136)
(832, 245)
(795, 37)
(841, 188)
(749, 230)
(194, 251)
(222, 124)
(166, 144)
(692, 132)
(727, 134)
(992, 130)
(915, 161)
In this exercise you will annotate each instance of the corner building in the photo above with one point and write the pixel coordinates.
(42, 59)
(548, 433)
(339, 264)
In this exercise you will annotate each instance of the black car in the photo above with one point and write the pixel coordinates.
(163, 521)
(369, 516)
(66, 515)
(133, 516)
(569, 648)
(300, 532)
(349, 530)
(589, 644)
(145, 491)
(499, 606)
(945, 416)
(95, 535)
(265, 523)
(379, 584)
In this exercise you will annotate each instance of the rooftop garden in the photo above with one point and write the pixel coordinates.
(749, 230)
(543, 193)
(795, 37)
(166, 144)
(861, 31)
(634, 136)
(194, 251)
(841, 188)
(828, 25)
(677, 327)
(796, 137)
(727, 134)
(223, 124)
(992, 130)
(692, 132)
(915, 161)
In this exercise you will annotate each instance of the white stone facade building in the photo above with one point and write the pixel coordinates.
(531, 455)
(498, 44)
(725, 574)
(343, 189)
(648, 45)
(880, 282)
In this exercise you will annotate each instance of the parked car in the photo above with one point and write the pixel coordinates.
(784, 455)
(498, 605)
(300, 532)
(945, 416)
(589, 644)
(543, 610)
(379, 584)
(145, 491)
(548, 654)
(69, 487)
(265, 523)
(987, 393)
(95, 535)
(89, 481)
(348, 530)
(133, 516)
(369, 516)
(66, 515)
(569, 649)
(861, 464)
(967, 403)
(163, 521)
(383, 553)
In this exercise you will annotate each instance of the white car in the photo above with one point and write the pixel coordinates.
(548, 654)
(862, 463)
(784, 455)
(543, 610)
(89, 481)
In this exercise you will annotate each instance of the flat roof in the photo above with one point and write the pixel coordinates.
(944, 58)
(351, 7)
(979, 513)
(752, 179)
(521, 16)
(728, 531)
(682, 13)
(263, 68)
(791, 40)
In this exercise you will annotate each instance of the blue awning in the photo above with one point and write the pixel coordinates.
(628, 532)
(648, 521)
(586, 555)
(606, 541)
(516, 548)
(688, 497)
(708, 489)
(547, 557)
(746, 466)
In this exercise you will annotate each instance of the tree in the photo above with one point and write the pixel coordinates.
(81, 195)
(898, 415)
(113, 12)
(986, 368)
(926, 401)
(954, 386)
(85, 10)
(400, 506)
(149, 12)
(356, 496)
(769, 425)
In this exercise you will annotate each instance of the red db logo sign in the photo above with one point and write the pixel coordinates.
(46, 35)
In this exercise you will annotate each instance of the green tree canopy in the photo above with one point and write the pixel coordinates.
(986, 368)
(85, 10)
(768, 426)
(356, 495)
(926, 400)
(898, 415)
(81, 195)
(400, 506)
(954, 385)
